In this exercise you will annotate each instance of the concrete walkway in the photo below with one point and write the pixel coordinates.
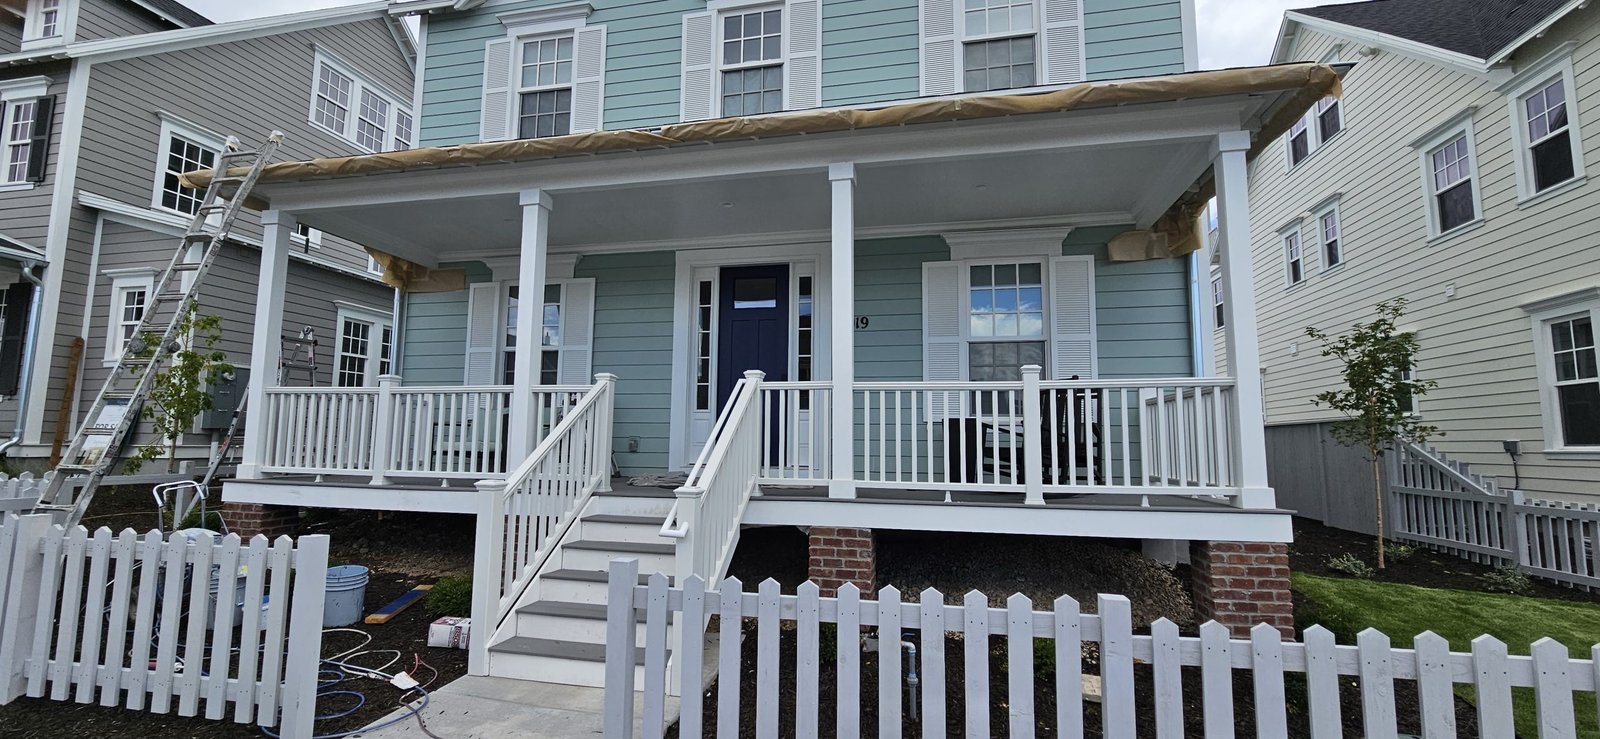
(499, 708)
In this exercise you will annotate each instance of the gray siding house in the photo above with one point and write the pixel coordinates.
(105, 104)
(1452, 174)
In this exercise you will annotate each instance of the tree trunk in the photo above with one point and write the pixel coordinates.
(1377, 489)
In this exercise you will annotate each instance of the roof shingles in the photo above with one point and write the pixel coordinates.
(1476, 28)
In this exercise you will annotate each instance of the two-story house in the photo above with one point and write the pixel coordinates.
(1451, 174)
(106, 103)
(838, 264)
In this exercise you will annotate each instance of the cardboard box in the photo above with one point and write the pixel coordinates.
(453, 632)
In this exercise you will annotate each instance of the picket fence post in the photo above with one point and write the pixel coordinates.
(20, 539)
(305, 637)
(1519, 529)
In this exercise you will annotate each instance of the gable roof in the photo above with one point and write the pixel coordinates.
(174, 11)
(1475, 28)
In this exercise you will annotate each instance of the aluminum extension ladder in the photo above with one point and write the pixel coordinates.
(116, 410)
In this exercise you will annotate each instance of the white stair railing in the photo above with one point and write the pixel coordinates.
(522, 518)
(705, 518)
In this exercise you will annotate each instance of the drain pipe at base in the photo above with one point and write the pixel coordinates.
(910, 649)
(29, 348)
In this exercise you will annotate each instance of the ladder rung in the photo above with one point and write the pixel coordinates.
(227, 180)
(98, 431)
(230, 156)
(200, 236)
(74, 468)
(185, 266)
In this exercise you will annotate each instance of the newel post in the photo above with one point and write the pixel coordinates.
(1032, 430)
(383, 429)
(603, 428)
(487, 561)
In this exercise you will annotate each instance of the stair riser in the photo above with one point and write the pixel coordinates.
(588, 630)
(628, 532)
(554, 670)
(657, 507)
(596, 559)
(572, 591)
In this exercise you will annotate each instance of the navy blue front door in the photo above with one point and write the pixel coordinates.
(753, 330)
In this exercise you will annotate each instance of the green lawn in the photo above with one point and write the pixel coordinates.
(1402, 611)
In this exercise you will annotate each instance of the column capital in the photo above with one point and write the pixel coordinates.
(842, 171)
(536, 196)
(1228, 141)
(275, 217)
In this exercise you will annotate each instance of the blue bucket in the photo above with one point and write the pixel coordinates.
(346, 595)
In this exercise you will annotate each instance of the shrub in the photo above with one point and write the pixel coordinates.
(1397, 552)
(1508, 579)
(1350, 565)
(452, 596)
(1044, 656)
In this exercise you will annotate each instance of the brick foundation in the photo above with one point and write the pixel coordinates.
(838, 556)
(1242, 584)
(249, 519)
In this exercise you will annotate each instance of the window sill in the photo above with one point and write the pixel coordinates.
(1472, 225)
(1293, 166)
(1553, 191)
(17, 186)
(1293, 286)
(1335, 269)
(1591, 454)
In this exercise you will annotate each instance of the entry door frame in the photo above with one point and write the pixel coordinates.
(693, 266)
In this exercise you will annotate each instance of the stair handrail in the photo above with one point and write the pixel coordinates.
(543, 497)
(1457, 471)
(704, 520)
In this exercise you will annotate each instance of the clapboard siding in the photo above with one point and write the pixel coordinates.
(435, 332)
(219, 88)
(889, 294)
(10, 34)
(633, 340)
(25, 214)
(869, 54)
(99, 19)
(1142, 316)
(1477, 345)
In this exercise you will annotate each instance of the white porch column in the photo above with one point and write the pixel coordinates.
(1238, 284)
(530, 305)
(842, 330)
(266, 344)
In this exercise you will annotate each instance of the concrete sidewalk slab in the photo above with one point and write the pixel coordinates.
(500, 708)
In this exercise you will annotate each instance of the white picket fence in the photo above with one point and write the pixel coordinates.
(136, 621)
(1373, 661)
(1438, 502)
(19, 494)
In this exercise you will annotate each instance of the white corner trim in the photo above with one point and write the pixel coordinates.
(1548, 303)
(24, 88)
(1025, 242)
(546, 20)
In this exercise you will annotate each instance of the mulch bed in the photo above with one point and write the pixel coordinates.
(402, 550)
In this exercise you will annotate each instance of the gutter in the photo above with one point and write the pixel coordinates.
(27, 358)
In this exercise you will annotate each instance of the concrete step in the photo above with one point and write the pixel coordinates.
(588, 554)
(556, 660)
(619, 527)
(568, 621)
(581, 586)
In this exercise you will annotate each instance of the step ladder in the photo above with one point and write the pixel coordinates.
(116, 410)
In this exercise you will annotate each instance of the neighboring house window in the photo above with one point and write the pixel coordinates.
(1576, 380)
(1330, 118)
(1212, 223)
(130, 296)
(1315, 129)
(365, 342)
(999, 50)
(1294, 258)
(1452, 178)
(544, 93)
(348, 106)
(307, 236)
(19, 122)
(751, 63)
(1550, 151)
(1299, 142)
(183, 154)
(1006, 311)
(1332, 238)
(1408, 402)
(1218, 305)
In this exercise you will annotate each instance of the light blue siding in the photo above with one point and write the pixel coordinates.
(435, 332)
(633, 340)
(870, 53)
(889, 294)
(1141, 310)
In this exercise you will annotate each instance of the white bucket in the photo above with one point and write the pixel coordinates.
(346, 595)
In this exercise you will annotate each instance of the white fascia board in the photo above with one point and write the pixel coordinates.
(1286, 35)
(187, 38)
(1407, 47)
(1539, 30)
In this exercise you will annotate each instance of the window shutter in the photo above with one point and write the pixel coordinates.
(589, 79)
(496, 125)
(699, 59)
(942, 307)
(939, 47)
(19, 299)
(1063, 42)
(802, 86)
(483, 334)
(44, 118)
(1072, 334)
(577, 333)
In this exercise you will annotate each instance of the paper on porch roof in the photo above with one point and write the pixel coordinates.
(1308, 83)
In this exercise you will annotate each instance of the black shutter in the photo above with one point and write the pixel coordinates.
(19, 302)
(39, 150)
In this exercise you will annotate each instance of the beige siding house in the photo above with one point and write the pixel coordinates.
(1452, 174)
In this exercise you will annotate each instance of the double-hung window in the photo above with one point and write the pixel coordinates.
(1568, 366)
(1330, 118)
(1332, 233)
(544, 87)
(130, 297)
(366, 338)
(1218, 304)
(26, 113)
(1299, 142)
(348, 106)
(1006, 313)
(999, 45)
(19, 134)
(751, 62)
(1294, 258)
(1315, 129)
(44, 19)
(549, 336)
(1550, 151)
(1452, 179)
(184, 148)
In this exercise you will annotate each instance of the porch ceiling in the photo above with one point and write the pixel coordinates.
(1119, 184)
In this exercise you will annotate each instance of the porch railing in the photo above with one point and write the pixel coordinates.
(523, 517)
(392, 431)
(1035, 437)
(795, 443)
(704, 520)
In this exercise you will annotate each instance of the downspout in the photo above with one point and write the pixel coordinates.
(27, 359)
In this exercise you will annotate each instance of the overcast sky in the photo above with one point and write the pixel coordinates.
(1233, 33)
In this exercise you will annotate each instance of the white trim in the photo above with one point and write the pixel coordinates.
(8, 123)
(1020, 242)
(1457, 126)
(550, 19)
(360, 85)
(124, 281)
(812, 259)
(1294, 231)
(1191, 36)
(1562, 301)
(962, 38)
(1552, 67)
(172, 127)
(63, 32)
(1538, 31)
(376, 320)
(24, 87)
(720, 67)
(1396, 44)
(1541, 314)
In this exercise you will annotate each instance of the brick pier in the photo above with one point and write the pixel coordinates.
(1242, 584)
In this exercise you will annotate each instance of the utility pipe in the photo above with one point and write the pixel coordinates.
(909, 648)
(30, 346)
